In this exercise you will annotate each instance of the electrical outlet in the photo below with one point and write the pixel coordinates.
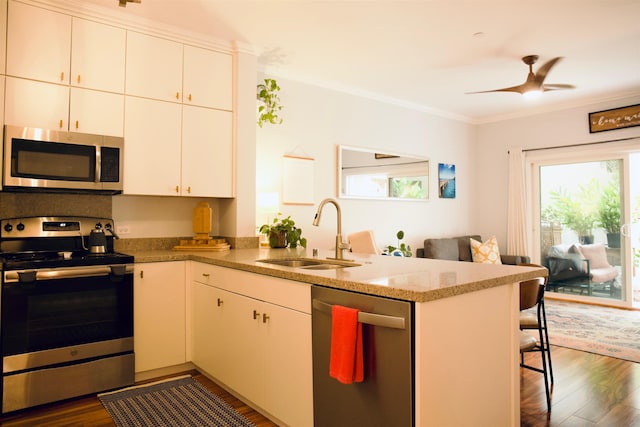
(123, 229)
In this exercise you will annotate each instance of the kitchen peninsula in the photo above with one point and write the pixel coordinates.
(465, 340)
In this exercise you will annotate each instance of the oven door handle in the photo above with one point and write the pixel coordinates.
(57, 273)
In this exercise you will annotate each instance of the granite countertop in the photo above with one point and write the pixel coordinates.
(410, 279)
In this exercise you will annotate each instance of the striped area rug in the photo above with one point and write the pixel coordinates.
(601, 330)
(180, 401)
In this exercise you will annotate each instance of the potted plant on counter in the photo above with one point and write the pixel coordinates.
(282, 232)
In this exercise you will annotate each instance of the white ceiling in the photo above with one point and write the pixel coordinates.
(428, 53)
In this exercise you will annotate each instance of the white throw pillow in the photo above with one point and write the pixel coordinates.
(487, 252)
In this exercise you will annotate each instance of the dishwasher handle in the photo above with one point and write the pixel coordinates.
(373, 319)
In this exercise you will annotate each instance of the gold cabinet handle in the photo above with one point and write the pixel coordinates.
(220, 302)
(61, 123)
(189, 97)
(78, 79)
(256, 315)
(189, 189)
(142, 274)
(62, 76)
(177, 189)
(177, 95)
(206, 275)
(77, 124)
(265, 317)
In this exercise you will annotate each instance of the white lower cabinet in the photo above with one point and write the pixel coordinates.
(159, 315)
(253, 333)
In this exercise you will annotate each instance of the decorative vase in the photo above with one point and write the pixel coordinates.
(278, 239)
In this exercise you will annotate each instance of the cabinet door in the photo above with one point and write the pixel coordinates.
(152, 134)
(153, 67)
(247, 375)
(207, 152)
(214, 333)
(3, 35)
(208, 78)
(288, 361)
(38, 43)
(36, 104)
(97, 56)
(159, 315)
(91, 111)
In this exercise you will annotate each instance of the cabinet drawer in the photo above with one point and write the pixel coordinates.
(283, 292)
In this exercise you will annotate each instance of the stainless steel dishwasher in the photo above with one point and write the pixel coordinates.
(385, 397)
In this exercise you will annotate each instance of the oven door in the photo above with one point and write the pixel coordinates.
(56, 312)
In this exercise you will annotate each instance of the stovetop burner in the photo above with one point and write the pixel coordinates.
(51, 242)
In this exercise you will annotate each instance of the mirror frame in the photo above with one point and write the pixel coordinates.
(388, 160)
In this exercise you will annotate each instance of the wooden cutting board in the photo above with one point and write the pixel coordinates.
(214, 245)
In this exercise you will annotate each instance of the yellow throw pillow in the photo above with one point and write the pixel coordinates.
(486, 252)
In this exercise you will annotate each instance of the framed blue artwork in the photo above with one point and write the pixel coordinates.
(446, 181)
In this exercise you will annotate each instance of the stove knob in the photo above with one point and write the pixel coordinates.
(20, 227)
(8, 227)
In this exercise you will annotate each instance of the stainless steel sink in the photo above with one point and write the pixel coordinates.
(309, 263)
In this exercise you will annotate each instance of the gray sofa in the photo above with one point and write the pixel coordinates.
(459, 249)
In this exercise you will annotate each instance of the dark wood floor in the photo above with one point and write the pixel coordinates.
(590, 390)
(89, 412)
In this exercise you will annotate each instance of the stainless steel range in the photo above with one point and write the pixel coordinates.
(66, 310)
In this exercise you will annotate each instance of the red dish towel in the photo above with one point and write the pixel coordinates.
(347, 361)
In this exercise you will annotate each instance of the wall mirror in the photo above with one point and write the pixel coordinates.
(369, 174)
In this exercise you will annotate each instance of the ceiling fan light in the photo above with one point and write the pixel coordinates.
(532, 93)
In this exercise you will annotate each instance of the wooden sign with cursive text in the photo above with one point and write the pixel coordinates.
(615, 118)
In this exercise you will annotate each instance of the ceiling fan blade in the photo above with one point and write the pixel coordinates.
(549, 87)
(517, 89)
(542, 72)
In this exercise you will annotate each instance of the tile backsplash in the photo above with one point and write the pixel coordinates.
(52, 204)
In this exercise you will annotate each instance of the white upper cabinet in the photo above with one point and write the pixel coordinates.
(92, 111)
(152, 135)
(38, 43)
(208, 78)
(3, 35)
(97, 56)
(153, 67)
(50, 106)
(207, 152)
(35, 104)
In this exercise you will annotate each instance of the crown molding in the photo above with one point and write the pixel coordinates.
(120, 18)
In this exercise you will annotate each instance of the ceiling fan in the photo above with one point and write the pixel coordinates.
(123, 3)
(535, 81)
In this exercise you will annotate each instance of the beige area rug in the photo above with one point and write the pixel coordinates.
(602, 330)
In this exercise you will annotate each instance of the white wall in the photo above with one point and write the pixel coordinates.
(156, 216)
(553, 129)
(316, 120)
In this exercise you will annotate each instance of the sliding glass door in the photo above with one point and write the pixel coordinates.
(585, 210)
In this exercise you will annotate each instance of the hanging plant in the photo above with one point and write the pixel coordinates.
(267, 95)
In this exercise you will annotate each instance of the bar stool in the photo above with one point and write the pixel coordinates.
(532, 295)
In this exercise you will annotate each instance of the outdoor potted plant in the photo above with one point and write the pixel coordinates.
(578, 212)
(609, 213)
(282, 232)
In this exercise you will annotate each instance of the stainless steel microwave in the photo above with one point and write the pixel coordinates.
(48, 160)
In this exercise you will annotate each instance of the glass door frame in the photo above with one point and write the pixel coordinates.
(577, 154)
